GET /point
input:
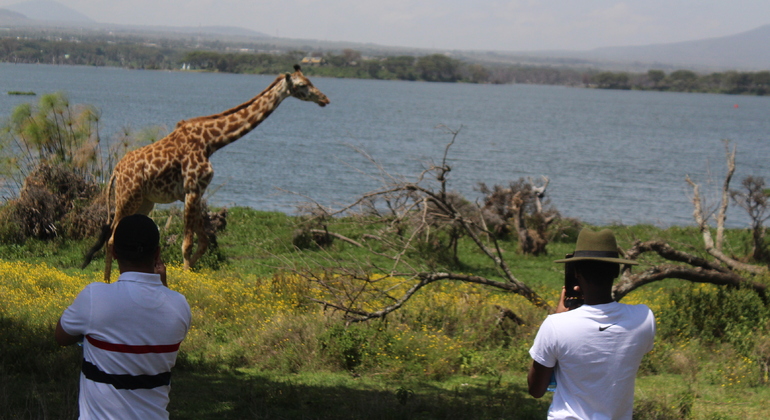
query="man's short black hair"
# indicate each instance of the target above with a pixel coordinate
(136, 238)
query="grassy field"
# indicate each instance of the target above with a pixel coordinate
(260, 349)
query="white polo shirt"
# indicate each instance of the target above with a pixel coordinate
(133, 329)
(596, 350)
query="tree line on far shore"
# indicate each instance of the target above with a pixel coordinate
(730, 82)
(216, 56)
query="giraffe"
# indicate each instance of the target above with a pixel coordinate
(177, 167)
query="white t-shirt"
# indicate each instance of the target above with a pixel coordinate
(133, 329)
(596, 350)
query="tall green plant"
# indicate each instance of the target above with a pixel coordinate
(53, 132)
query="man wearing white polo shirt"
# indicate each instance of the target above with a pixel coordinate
(130, 329)
(593, 351)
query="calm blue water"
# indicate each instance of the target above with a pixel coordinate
(612, 156)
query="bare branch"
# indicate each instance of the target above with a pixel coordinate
(709, 241)
(507, 313)
(410, 215)
(666, 251)
(697, 275)
(338, 236)
(539, 193)
(423, 279)
(722, 215)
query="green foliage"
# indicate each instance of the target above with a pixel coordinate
(87, 50)
(260, 63)
(172, 235)
(54, 132)
(347, 346)
(54, 201)
(35, 374)
(400, 67)
(678, 407)
(610, 80)
(731, 82)
(714, 315)
(438, 68)
(682, 81)
(656, 76)
(446, 347)
(201, 54)
(51, 157)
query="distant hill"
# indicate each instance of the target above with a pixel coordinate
(48, 10)
(9, 17)
(748, 50)
(227, 31)
(47, 13)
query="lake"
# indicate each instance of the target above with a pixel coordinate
(612, 156)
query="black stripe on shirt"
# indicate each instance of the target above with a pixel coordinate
(95, 374)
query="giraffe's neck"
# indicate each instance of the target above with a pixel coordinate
(221, 129)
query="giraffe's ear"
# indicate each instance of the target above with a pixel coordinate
(287, 76)
(297, 67)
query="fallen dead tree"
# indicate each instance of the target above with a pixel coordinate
(723, 270)
(409, 225)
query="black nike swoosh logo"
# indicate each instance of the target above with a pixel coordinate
(604, 328)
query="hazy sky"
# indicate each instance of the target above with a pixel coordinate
(509, 25)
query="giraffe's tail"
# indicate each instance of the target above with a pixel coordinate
(103, 237)
(106, 229)
(107, 199)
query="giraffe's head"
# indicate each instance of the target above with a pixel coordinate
(301, 88)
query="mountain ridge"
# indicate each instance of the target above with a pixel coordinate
(745, 51)
(48, 11)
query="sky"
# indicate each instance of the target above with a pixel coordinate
(499, 25)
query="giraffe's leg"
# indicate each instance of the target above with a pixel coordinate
(145, 208)
(193, 225)
(108, 258)
(203, 240)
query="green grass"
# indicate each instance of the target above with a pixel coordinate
(441, 356)
(254, 394)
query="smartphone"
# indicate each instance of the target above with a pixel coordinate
(573, 299)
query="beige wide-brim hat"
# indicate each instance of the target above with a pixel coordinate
(597, 246)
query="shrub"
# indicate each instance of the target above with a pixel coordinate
(51, 204)
(677, 407)
(346, 346)
(714, 315)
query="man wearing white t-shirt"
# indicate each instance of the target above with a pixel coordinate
(594, 351)
(131, 331)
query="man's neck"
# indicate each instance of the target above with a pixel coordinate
(597, 296)
(124, 268)
(597, 301)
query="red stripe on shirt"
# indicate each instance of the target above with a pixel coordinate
(126, 348)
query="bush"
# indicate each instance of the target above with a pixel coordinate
(346, 346)
(714, 315)
(679, 407)
(172, 235)
(54, 201)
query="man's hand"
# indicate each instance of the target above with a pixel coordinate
(561, 307)
(538, 379)
(63, 338)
